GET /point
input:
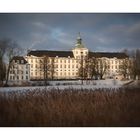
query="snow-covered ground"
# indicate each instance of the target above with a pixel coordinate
(95, 84)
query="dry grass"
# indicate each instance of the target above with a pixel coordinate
(71, 107)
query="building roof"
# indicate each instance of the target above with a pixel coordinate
(118, 55)
(40, 53)
(19, 58)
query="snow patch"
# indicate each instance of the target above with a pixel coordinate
(91, 84)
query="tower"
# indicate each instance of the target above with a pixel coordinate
(80, 49)
(79, 42)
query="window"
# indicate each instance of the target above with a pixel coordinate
(26, 66)
(10, 77)
(56, 60)
(17, 77)
(56, 66)
(26, 77)
(31, 60)
(26, 72)
(72, 66)
(64, 66)
(22, 61)
(22, 77)
(68, 66)
(68, 61)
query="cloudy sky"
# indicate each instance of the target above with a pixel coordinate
(100, 32)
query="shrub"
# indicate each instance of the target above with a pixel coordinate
(71, 107)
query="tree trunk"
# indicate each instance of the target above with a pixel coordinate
(101, 76)
(7, 75)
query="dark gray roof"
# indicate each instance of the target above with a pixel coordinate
(18, 59)
(40, 53)
(118, 55)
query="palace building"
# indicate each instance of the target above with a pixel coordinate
(20, 70)
(66, 64)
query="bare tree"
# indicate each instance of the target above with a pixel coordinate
(133, 68)
(3, 46)
(92, 67)
(124, 68)
(2, 72)
(138, 62)
(83, 70)
(101, 67)
(8, 49)
(52, 68)
(46, 68)
(12, 50)
(135, 64)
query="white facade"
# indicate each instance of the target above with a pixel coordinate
(67, 66)
(19, 70)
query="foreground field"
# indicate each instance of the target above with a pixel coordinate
(71, 107)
